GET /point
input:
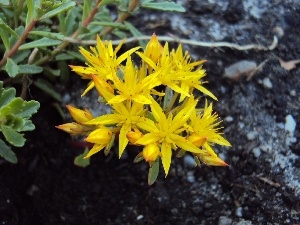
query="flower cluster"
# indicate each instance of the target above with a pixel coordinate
(158, 122)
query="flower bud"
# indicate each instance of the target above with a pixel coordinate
(133, 136)
(79, 115)
(150, 152)
(153, 49)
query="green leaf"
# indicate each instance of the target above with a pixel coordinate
(24, 109)
(30, 69)
(7, 153)
(43, 42)
(30, 11)
(47, 88)
(63, 7)
(54, 36)
(110, 24)
(12, 68)
(80, 161)
(14, 138)
(106, 2)
(28, 126)
(153, 172)
(167, 98)
(6, 96)
(4, 2)
(20, 108)
(87, 8)
(6, 28)
(136, 33)
(138, 158)
(21, 56)
(5, 39)
(164, 6)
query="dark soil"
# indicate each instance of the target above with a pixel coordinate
(261, 186)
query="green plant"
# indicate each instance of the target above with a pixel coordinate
(15, 114)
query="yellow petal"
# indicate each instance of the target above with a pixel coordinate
(117, 99)
(96, 148)
(106, 119)
(123, 141)
(148, 139)
(125, 55)
(166, 156)
(184, 143)
(100, 136)
(79, 115)
(147, 125)
(142, 99)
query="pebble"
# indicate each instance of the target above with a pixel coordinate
(190, 177)
(293, 93)
(265, 147)
(290, 124)
(243, 222)
(239, 69)
(239, 212)
(252, 135)
(267, 83)
(188, 161)
(223, 220)
(139, 217)
(256, 152)
(228, 119)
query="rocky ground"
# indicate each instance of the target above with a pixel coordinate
(258, 92)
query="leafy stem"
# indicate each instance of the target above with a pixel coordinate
(65, 44)
(122, 17)
(16, 46)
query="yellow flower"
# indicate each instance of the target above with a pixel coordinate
(101, 61)
(166, 132)
(124, 117)
(134, 87)
(151, 152)
(153, 49)
(101, 138)
(80, 116)
(205, 133)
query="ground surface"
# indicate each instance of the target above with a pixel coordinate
(261, 186)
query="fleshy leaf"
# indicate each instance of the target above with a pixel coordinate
(12, 68)
(7, 153)
(13, 137)
(153, 172)
(81, 161)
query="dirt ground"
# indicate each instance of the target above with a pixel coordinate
(261, 120)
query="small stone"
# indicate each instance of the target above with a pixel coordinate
(223, 220)
(290, 124)
(256, 152)
(239, 212)
(293, 93)
(188, 161)
(267, 83)
(239, 69)
(228, 119)
(243, 222)
(252, 135)
(190, 177)
(265, 147)
(139, 217)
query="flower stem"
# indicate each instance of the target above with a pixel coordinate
(16, 46)
(65, 44)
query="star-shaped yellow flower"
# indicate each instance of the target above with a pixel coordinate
(101, 61)
(166, 132)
